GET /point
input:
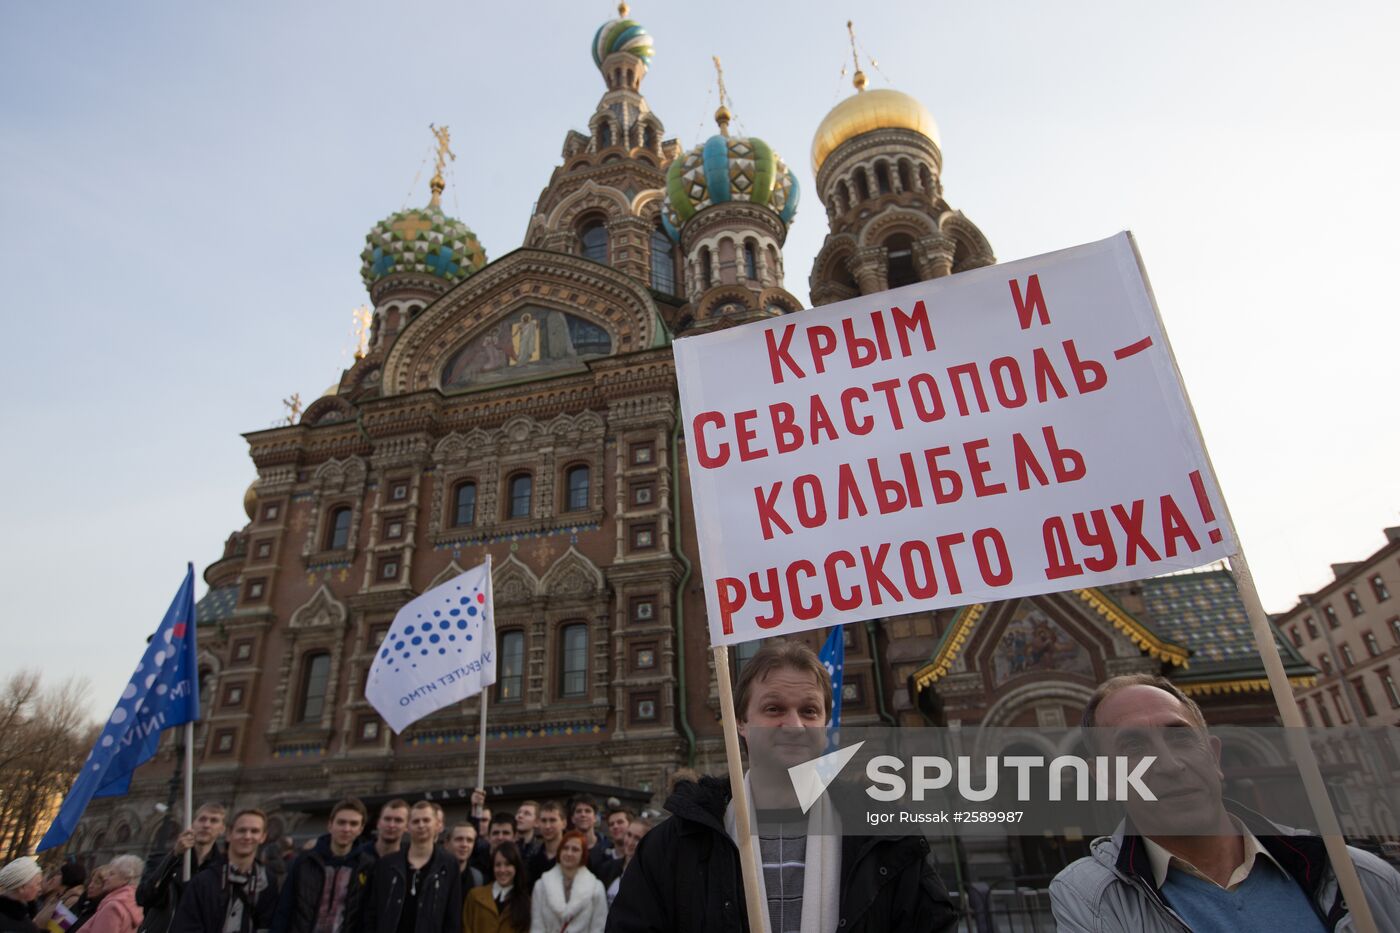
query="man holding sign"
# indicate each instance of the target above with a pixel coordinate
(685, 874)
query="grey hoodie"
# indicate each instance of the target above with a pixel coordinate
(1112, 889)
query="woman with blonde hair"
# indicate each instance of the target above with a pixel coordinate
(568, 896)
(118, 912)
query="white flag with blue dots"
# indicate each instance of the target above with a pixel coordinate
(440, 650)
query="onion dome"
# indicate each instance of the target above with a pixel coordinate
(622, 35)
(865, 111)
(727, 168)
(424, 240)
(250, 500)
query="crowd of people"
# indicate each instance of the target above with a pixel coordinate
(1202, 863)
(544, 867)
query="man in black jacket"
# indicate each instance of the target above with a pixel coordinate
(159, 892)
(323, 887)
(237, 896)
(685, 876)
(419, 890)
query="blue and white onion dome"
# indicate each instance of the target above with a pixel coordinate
(727, 168)
(423, 240)
(622, 35)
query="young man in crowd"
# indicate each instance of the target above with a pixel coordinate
(324, 887)
(236, 896)
(389, 829)
(502, 830)
(619, 818)
(525, 816)
(685, 873)
(418, 890)
(163, 882)
(462, 842)
(583, 816)
(1187, 860)
(549, 829)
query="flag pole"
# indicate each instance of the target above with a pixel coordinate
(748, 866)
(1294, 735)
(189, 792)
(485, 690)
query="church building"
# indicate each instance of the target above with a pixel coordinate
(526, 407)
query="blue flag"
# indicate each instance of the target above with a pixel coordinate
(833, 658)
(163, 692)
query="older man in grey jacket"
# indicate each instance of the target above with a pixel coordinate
(1194, 862)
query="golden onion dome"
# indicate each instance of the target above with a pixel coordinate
(250, 500)
(864, 111)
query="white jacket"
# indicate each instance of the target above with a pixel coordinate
(586, 910)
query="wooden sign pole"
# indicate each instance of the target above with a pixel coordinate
(748, 865)
(1303, 756)
(1347, 879)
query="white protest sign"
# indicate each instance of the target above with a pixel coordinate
(1012, 430)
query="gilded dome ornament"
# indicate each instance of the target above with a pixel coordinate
(866, 111)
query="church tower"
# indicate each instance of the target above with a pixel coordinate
(877, 161)
(604, 201)
(728, 203)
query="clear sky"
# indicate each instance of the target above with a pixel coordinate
(185, 189)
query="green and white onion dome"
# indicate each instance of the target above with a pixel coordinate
(622, 35)
(727, 168)
(423, 240)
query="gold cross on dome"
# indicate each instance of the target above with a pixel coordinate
(293, 407)
(411, 226)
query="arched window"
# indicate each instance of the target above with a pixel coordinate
(573, 660)
(862, 186)
(882, 178)
(123, 835)
(338, 529)
(926, 180)
(750, 262)
(906, 181)
(316, 673)
(510, 682)
(604, 135)
(206, 688)
(464, 504)
(901, 261)
(594, 238)
(663, 266)
(521, 486)
(576, 484)
(648, 136)
(705, 277)
(843, 197)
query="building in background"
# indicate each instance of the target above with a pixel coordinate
(1350, 631)
(526, 408)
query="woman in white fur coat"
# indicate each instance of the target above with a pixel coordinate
(568, 898)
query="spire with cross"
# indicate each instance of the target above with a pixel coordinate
(444, 152)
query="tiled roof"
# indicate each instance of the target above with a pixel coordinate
(217, 604)
(1204, 612)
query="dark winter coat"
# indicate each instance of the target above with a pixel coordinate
(205, 903)
(439, 895)
(14, 917)
(685, 877)
(163, 882)
(306, 882)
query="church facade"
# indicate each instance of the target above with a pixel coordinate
(526, 408)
